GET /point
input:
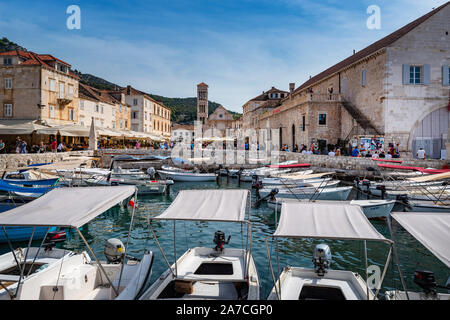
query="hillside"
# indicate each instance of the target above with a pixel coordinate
(184, 110)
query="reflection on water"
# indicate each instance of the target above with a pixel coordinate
(347, 255)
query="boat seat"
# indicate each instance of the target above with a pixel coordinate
(98, 294)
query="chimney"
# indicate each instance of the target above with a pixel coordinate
(354, 51)
(291, 89)
(128, 90)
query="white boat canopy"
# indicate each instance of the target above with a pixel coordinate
(432, 229)
(207, 205)
(325, 221)
(66, 207)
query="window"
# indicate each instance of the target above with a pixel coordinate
(82, 123)
(61, 90)
(97, 108)
(52, 111)
(7, 61)
(8, 110)
(71, 114)
(113, 112)
(120, 109)
(220, 115)
(322, 119)
(8, 83)
(415, 74)
(113, 125)
(121, 123)
(70, 91)
(304, 123)
(82, 105)
(135, 115)
(274, 95)
(52, 85)
(103, 123)
(101, 110)
(135, 102)
(364, 78)
(145, 115)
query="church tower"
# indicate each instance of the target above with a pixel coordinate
(202, 102)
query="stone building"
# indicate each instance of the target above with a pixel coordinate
(37, 87)
(183, 133)
(147, 114)
(259, 105)
(108, 108)
(397, 88)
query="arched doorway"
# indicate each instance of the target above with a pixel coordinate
(431, 133)
(293, 136)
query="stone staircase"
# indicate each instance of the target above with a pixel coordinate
(361, 119)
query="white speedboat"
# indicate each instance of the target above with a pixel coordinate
(339, 194)
(187, 176)
(76, 276)
(432, 229)
(373, 209)
(321, 221)
(146, 187)
(208, 273)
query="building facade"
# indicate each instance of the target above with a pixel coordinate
(202, 103)
(147, 114)
(182, 133)
(396, 89)
(37, 87)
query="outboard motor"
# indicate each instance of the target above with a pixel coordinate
(322, 259)
(219, 240)
(256, 183)
(114, 251)
(151, 172)
(52, 238)
(404, 201)
(366, 187)
(383, 191)
(425, 280)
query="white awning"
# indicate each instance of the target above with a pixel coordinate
(66, 207)
(432, 229)
(325, 221)
(207, 205)
(18, 127)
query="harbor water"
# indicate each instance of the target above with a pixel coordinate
(347, 255)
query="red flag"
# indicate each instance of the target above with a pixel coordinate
(132, 203)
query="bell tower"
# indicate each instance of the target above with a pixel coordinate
(202, 102)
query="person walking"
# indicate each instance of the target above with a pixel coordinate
(54, 145)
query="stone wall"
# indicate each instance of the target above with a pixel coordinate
(14, 161)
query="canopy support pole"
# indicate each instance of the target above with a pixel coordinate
(366, 266)
(276, 245)
(175, 247)
(271, 269)
(11, 248)
(384, 271)
(389, 223)
(37, 253)
(160, 249)
(128, 238)
(98, 262)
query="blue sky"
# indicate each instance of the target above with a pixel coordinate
(239, 48)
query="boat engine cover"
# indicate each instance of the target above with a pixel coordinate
(322, 259)
(114, 250)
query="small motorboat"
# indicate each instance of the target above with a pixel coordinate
(208, 273)
(76, 276)
(338, 194)
(187, 176)
(432, 229)
(300, 220)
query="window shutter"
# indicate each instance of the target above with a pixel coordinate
(406, 68)
(364, 76)
(344, 85)
(426, 74)
(445, 76)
